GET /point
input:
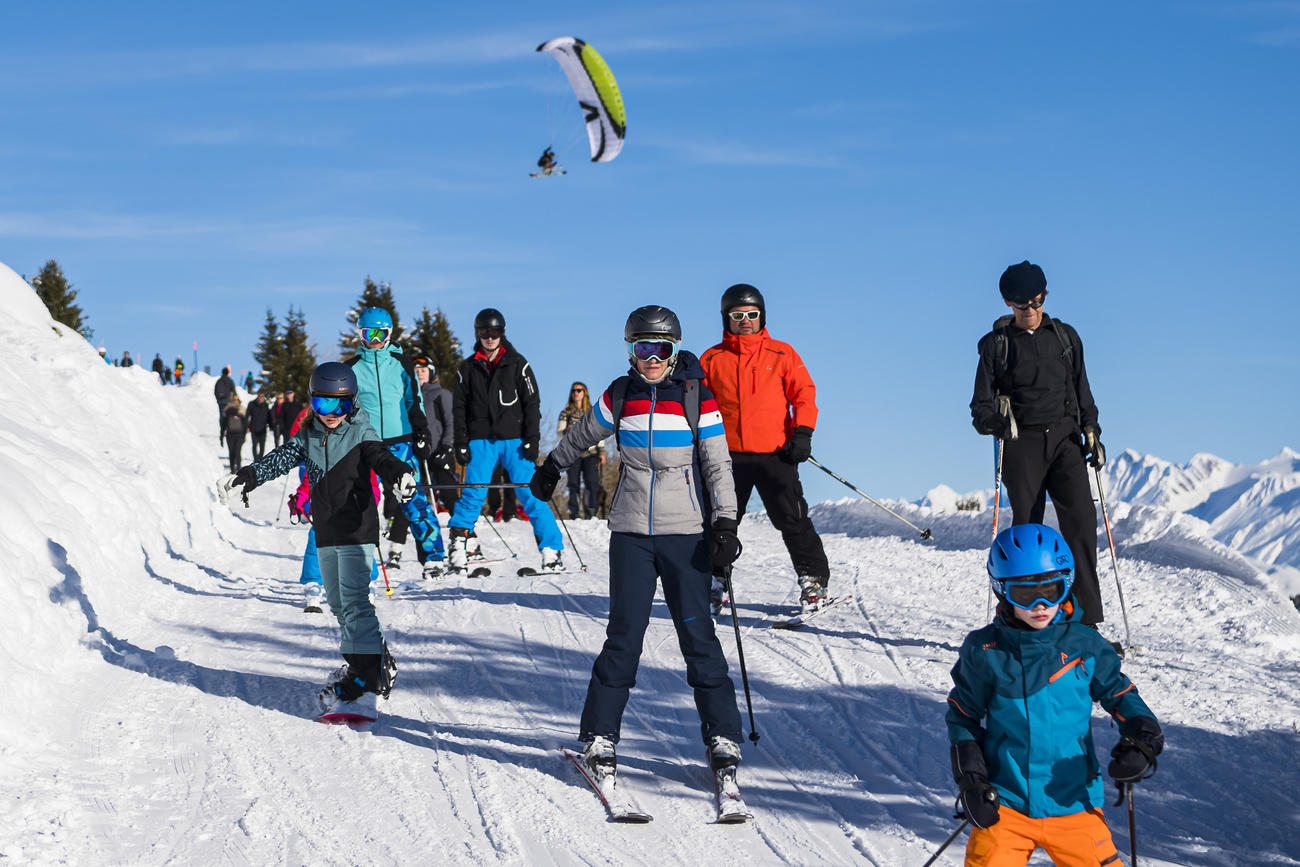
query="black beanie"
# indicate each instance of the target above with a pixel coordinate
(1022, 283)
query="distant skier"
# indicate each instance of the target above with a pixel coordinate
(158, 366)
(497, 416)
(658, 530)
(346, 524)
(389, 391)
(768, 403)
(1037, 363)
(1020, 714)
(178, 371)
(223, 390)
(259, 418)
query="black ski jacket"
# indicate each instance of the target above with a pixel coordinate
(224, 390)
(1047, 387)
(498, 403)
(259, 413)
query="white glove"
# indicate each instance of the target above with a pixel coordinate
(405, 487)
(226, 486)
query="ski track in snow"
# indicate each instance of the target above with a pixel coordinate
(175, 725)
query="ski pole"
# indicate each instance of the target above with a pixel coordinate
(925, 534)
(1110, 540)
(565, 525)
(1132, 828)
(740, 654)
(947, 843)
(388, 591)
(493, 528)
(461, 485)
(998, 446)
(283, 496)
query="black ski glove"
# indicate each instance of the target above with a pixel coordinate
(442, 459)
(529, 450)
(978, 800)
(1134, 757)
(799, 447)
(545, 478)
(1092, 447)
(421, 448)
(724, 546)
(462, 454)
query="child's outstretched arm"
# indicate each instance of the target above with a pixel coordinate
(274, 464)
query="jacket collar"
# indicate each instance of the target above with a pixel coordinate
(744, 342)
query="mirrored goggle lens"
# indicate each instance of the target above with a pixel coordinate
(489, 333)
(372, 334)
(652, 350)
(741, 315)
(1027, 594)
(331, 405)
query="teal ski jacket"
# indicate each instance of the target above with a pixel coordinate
(1026, 695)
(390, 393)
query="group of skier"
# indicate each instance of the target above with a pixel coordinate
(696, 437)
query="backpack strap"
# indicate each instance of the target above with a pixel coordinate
(1001, 343)
(617, 395)
(690, 404)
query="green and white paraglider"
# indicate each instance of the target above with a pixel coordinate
(598, 96)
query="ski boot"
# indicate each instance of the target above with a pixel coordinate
(718, 596)
(395, 559)
(457, 555)
(434, 570)
(552, 560)
(812, 594)
(600, 758)
(473, 551)
(314, 602)
(723, 753)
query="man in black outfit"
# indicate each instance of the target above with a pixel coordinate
(1032, 393)
(223, 391)
(259, 418)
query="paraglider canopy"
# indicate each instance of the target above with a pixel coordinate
(597, 91)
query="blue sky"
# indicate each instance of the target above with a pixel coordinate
(871, 166)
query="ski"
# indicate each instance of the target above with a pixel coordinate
(530, 572)
(621, 808)
(800, 619)
(732, 809)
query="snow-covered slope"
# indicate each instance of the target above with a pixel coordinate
(161, 674)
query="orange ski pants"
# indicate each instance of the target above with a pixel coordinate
(1080, 840)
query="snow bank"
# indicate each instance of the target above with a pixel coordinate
(99, 475)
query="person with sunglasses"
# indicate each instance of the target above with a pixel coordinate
(587, 467)
(769, 407)
(1032, 365)
(389, 391)
(341, 449)
(1019, 714)
(496, 412)
(673, 517)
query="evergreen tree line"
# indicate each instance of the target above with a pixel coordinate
(60, 299)
(287, 360)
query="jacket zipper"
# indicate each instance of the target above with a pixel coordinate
(379, 389)
(690, 490)
(650, 456)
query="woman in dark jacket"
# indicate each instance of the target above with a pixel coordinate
(236, 427)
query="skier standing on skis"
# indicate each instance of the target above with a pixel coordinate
(497, 419)
(769, 408)
(438, 410)
(340, 449)
(389, 392)
(659, 529)
(1037, 362)
(1020, 714)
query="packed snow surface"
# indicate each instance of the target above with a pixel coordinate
(161, 672)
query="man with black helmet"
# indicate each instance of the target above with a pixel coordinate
(768, 403)
(1032, 394)
(496, 412)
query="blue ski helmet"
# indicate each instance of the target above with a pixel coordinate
(1025, 561)
(375, 317)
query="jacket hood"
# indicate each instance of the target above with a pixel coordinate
(1022, 633)
(737, 342)
(368, 354)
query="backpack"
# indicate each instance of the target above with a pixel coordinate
(690, 404)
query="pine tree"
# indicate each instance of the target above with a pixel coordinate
(372, 295)
(270, 347)
(431, 335)
(58, 295)
(299, 358)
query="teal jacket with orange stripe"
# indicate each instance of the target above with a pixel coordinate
(1025, 696)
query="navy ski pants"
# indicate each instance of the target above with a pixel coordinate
(635, 564)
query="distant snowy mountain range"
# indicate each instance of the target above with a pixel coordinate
(1252, 509)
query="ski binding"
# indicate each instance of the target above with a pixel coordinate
(621, 808)
(800, 619)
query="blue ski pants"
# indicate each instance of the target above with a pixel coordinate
(484, 455)
(635, 562)
(422, 519)
(346, 570)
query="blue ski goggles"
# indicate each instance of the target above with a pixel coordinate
(331, 405)
(370, 335)
(652, 350)
(1049, 588)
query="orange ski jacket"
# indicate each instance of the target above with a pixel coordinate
(762, 388)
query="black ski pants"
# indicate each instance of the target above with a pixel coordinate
(235, 446)
(635, 564)
(585, 469)
(777, 480)
(258, 438)
(1049, 462)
